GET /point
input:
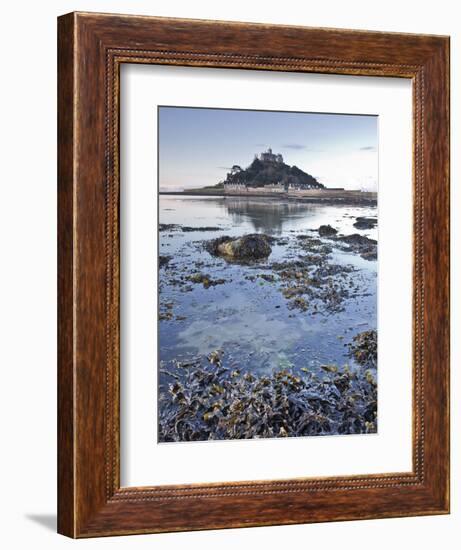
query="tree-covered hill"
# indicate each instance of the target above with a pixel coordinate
(261, 172)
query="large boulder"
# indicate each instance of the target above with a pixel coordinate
(365, 223)
(255, 246)
(327, 231)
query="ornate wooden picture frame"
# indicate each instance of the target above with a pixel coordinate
(92, 47)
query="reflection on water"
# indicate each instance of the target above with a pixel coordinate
(270, 216)
(266, 215)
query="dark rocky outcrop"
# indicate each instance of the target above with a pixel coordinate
(255, 246)
(163, 260)
(357, 240)
(327, 231)
(365, 223)
(168, 227)
(188, 229)
(367, 248)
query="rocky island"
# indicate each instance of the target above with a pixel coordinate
(269, 176)
(269, 172)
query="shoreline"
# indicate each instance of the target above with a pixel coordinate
(333, 197)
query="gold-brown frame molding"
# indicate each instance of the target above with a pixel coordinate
(91, 49)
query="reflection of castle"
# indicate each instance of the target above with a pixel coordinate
(263, 215)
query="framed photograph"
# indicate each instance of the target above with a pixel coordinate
(253, 275)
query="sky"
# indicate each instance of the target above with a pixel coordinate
(197, 147)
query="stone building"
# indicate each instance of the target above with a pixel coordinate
(269, 156)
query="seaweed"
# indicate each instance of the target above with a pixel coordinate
(314, 283)
(205, 400)
(205, 279)
(364, 348)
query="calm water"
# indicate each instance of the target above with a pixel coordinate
(250, 319)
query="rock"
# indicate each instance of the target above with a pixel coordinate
(267, 277)
(205, 279)
(327, 231)
(167, 227)
(357, 240)
(367, 248)
(370, 254)
(165, 315)
(163, 260)
(188, 229)
(268, 168)
(248, 247)
(198, 278)
(365, 223)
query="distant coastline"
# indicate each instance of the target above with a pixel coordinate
(268, 176)
(331, 196)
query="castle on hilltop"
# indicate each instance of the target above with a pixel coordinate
(268, 172)
(269, 156)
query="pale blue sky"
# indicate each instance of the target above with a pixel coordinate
(197, 147)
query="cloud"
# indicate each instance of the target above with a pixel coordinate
(301, 147)
(296, 146)
(368, 148)
(223, 167)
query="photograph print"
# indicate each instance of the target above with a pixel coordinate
(267, 274)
